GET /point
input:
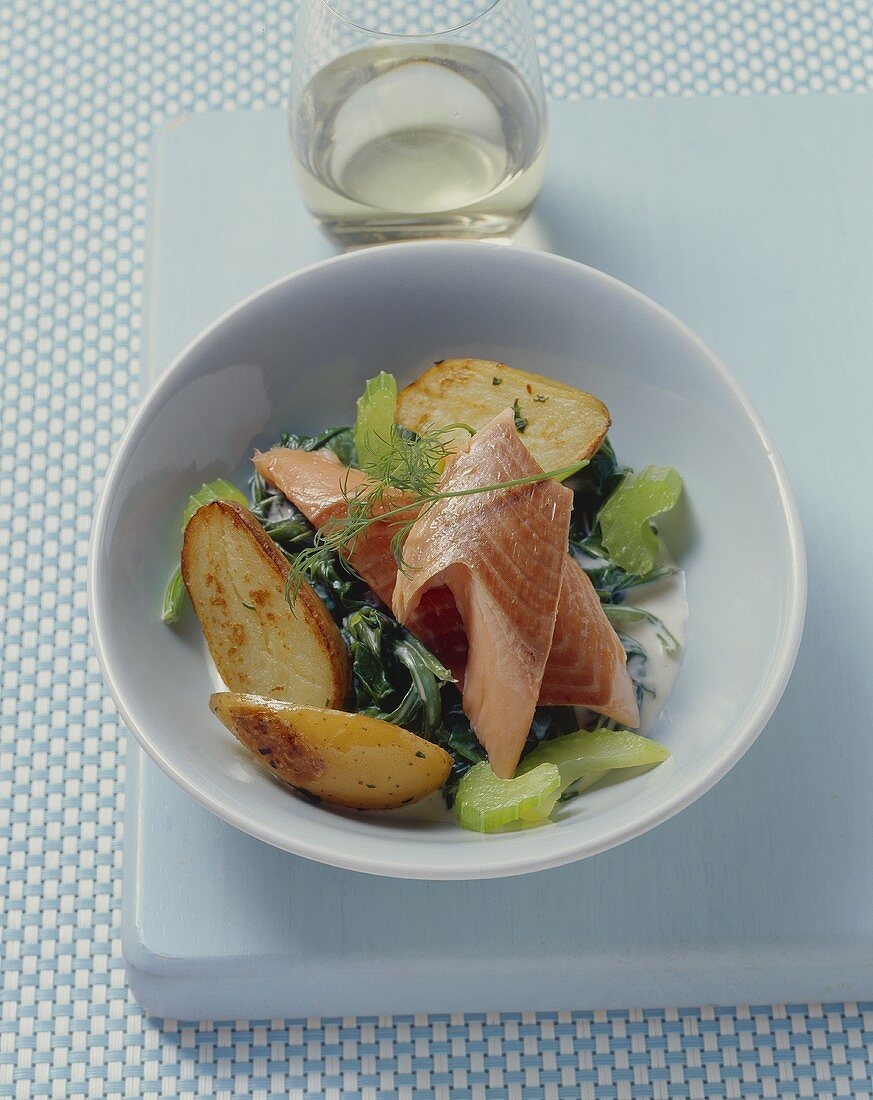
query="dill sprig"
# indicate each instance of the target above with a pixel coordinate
(408, 462)
(402, 486)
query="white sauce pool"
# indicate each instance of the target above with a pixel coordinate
(667, 600)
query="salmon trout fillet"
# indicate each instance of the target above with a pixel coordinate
(501, 555)
(586, 665)
(320, 486)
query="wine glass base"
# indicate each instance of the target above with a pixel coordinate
(348, 234)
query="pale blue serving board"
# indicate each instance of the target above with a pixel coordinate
(752, 219)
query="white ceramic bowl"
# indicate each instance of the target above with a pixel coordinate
(294, 357)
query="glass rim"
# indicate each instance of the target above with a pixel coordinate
(374, 33)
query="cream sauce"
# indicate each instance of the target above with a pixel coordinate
(666, 599)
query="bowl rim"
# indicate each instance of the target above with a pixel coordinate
(496, 863)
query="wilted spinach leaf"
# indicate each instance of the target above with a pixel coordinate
(591, 487)
(339, 440)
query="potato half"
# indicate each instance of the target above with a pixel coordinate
(236, 575)
(347, 759)
(564, 425)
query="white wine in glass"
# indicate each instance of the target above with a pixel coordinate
(410, 135)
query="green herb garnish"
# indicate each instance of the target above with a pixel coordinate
(402, 487)
(521, 423)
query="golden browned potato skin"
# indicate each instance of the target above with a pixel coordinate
(236, 577)
(564, 425)
(346, 759)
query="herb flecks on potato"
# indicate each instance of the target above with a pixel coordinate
(349, 760)
(559, 424)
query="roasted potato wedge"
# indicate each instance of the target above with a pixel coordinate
(346, 759)
(236, 575)
(564, 425)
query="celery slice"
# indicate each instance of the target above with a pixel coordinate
(624, 519)
(576, 754)
(208, 494)
(375, 420)
(486, 804)
(174, 593)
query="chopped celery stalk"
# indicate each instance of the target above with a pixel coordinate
(375, 420)
(486, 803)
(624, 519)
(208, 494)
(576, 754)
(174, 593)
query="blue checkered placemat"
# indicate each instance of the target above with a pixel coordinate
(82, 85)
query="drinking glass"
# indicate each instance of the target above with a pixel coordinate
(411, 120)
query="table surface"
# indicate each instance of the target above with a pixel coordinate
(84, 87)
